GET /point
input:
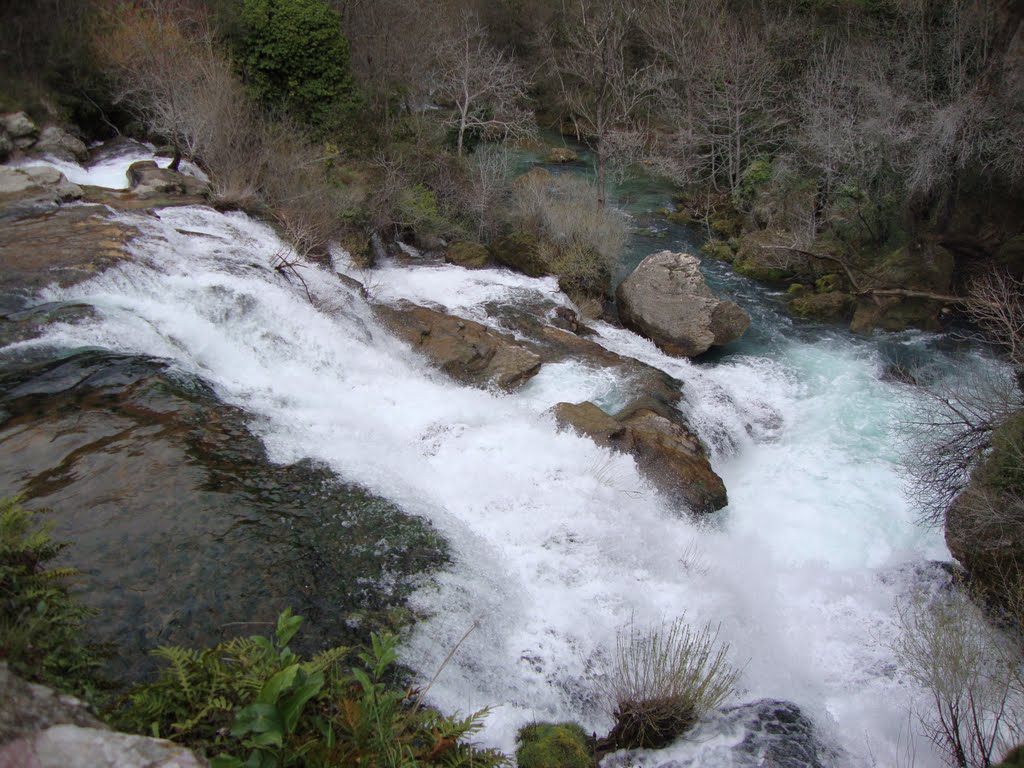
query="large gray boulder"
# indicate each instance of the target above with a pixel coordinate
(20, 128)
(40, 728)
(33, 190)
(56, 142)
(667, 300)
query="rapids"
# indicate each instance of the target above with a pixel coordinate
(557, 543)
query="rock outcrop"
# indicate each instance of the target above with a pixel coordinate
(467, 351)
(148, 180)
(40, 728)
(58, 143)
(667, 300)
(31, 191)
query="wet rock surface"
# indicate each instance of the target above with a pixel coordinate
(185, 533)
(65, 246)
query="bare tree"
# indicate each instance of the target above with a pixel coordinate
(159, 62)
(486, 85)
(605, 90)
(966, 669)
(388, 57)
(827, 112)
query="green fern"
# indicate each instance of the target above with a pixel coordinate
(41, 624)
(255, 697)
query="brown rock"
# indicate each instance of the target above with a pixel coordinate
(148, 180)
(658, 438)
(67, 246)
(465, 350)
(589, 420)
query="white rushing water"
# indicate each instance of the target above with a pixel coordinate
(558, 543)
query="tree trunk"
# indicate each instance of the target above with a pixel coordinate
(176, 161)
(601, 162)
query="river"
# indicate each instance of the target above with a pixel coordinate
(557, 543)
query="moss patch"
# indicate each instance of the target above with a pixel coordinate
(825, 307)
(553, 745)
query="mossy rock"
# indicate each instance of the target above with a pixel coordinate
(915, 266)
(467, 254)
(797, 290)
(757, 271)
(896, 314)
(522, 253)
(561, 155)
(824, 307)
(553, 745)
(717, 249)
(728, 224)
(682, 217)
(828, 284)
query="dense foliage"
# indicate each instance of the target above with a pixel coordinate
(253, 702)
(295, 57)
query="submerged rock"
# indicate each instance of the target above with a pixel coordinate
(763, 733)
(667, 300)
(183, 530)
(468, 352)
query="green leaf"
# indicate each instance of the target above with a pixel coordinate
(226, 761)
(278, 684)
(261, 719)
(306, 687)
(287, 626)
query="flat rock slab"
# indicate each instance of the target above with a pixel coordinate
(30, 191)
(64, 246)
(467, 351)
(183, 531)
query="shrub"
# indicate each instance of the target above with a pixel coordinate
(551, 745)
(580, 242)
(40, 622)
(966, 668)
(663, 679)
(296, 59)
(254, 696)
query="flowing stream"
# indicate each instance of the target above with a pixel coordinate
(556, 542)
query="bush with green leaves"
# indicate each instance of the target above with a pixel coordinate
(41, 623)
(253, 702)
(295, 57)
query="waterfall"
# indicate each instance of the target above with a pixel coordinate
(557, 542)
